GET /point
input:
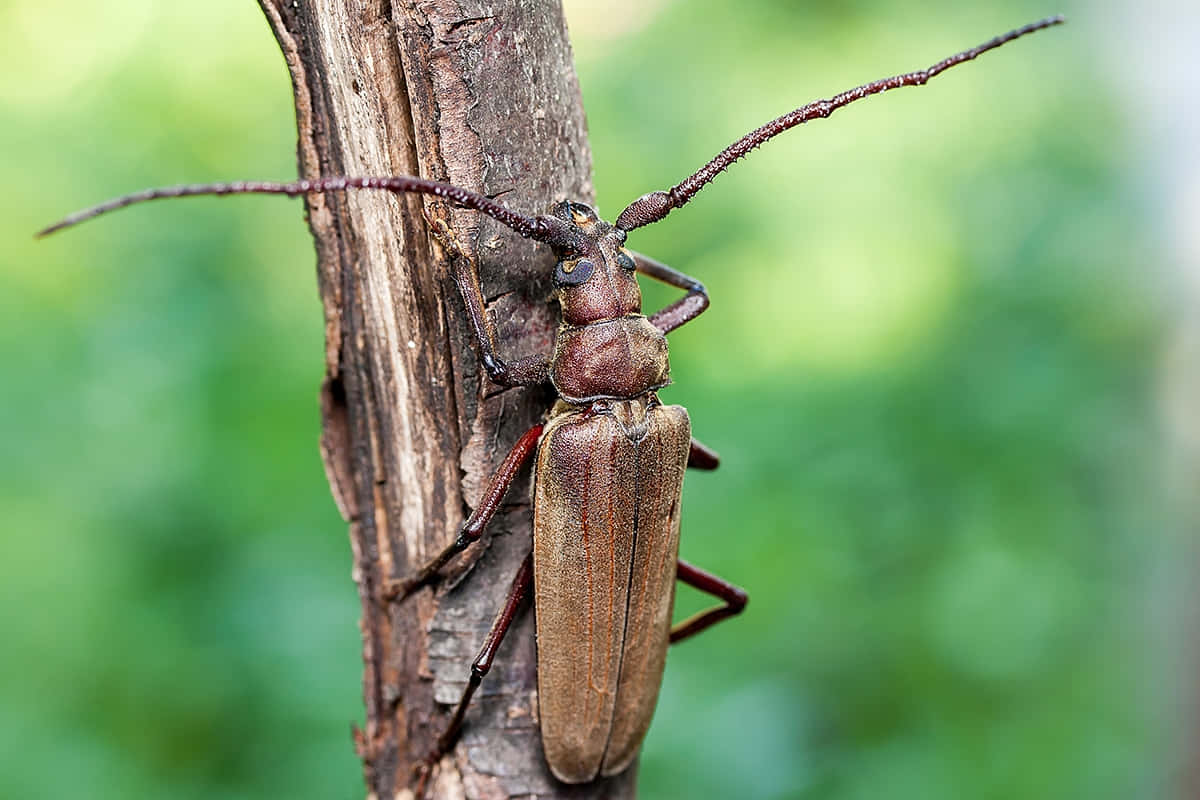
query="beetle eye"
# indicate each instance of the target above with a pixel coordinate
(625, 261)
(572, 272)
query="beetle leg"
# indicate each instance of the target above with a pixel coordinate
(473, 528)
(683, 310)
(479, 667)
(521, 372)
(701, 456)
(734, 596)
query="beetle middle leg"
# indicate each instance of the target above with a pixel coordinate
(681, 311)
(734, 596)
(517, 593)
(473, 528)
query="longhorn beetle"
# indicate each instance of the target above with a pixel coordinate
(609, 461)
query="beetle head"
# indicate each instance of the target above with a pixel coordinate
(594, 273)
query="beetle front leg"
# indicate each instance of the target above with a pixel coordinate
(734, 596)
(681, 311)
(473, 528)
(528, 371)
(517, 593)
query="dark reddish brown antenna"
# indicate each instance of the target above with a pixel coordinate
(654, 206)
(538, 228)
(646, 209)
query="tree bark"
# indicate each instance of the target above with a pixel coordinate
(483, 96)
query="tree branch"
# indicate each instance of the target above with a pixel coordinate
(486, 98)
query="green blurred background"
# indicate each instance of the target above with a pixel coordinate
(939, 368)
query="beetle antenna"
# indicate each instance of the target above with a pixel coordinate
(538, 228)
(654, 206)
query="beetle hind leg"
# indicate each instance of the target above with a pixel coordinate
(522, 582)
(734, 596)
(701, 456)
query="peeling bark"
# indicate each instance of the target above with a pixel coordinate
(484, 97)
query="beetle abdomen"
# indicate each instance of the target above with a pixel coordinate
(605, 543)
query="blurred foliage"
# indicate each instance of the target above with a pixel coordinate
(928, 368)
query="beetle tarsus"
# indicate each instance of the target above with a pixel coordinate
(397, 591)
(735, 598)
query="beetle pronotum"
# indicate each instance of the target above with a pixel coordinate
(609, 459)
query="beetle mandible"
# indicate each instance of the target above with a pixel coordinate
(609, 460)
